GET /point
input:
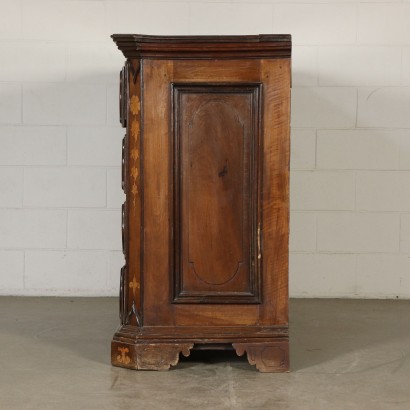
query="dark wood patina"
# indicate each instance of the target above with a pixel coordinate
(205, 224)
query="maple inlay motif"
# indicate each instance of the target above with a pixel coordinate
(123, 357)
(134, 284)
(135, 130)
(134, 172)
(135, 105)
(135, 154)
(134, 190)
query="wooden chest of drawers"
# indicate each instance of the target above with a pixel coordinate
(205, 223)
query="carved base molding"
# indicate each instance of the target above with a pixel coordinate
(160, 356)
(268, 357)
(153, 348)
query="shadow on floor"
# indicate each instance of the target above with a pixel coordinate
(321, 330)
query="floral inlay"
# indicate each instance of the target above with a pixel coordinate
(134, 172)
(134, 190)
(135, 108)
(123, 357)
(135, 154)
(135, 105)
(135, 130)
(134, 284)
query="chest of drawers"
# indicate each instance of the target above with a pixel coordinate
(205, 223)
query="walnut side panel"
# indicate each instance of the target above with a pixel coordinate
(132, 210)
(157, 193)
(275, 75)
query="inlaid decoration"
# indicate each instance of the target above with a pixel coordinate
(135, 130)
(134, 70)
(135, 154)
(133, 312)
(134, 172)
(134, 191)
(134, 284)
(135, 105)
(123, 357)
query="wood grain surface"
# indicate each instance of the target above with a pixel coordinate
(206, 217)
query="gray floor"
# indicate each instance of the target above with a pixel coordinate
(345, 354)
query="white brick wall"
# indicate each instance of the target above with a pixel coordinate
(60, 139)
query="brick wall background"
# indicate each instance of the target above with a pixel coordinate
(60, 138)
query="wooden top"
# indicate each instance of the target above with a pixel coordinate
(204, 47)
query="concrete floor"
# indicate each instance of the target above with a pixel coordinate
(345, 354)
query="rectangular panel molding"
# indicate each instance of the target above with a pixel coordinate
(216, 192)
(205, 223)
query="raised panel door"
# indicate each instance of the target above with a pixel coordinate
(216, 196)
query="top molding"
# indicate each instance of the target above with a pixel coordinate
(204, 47)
